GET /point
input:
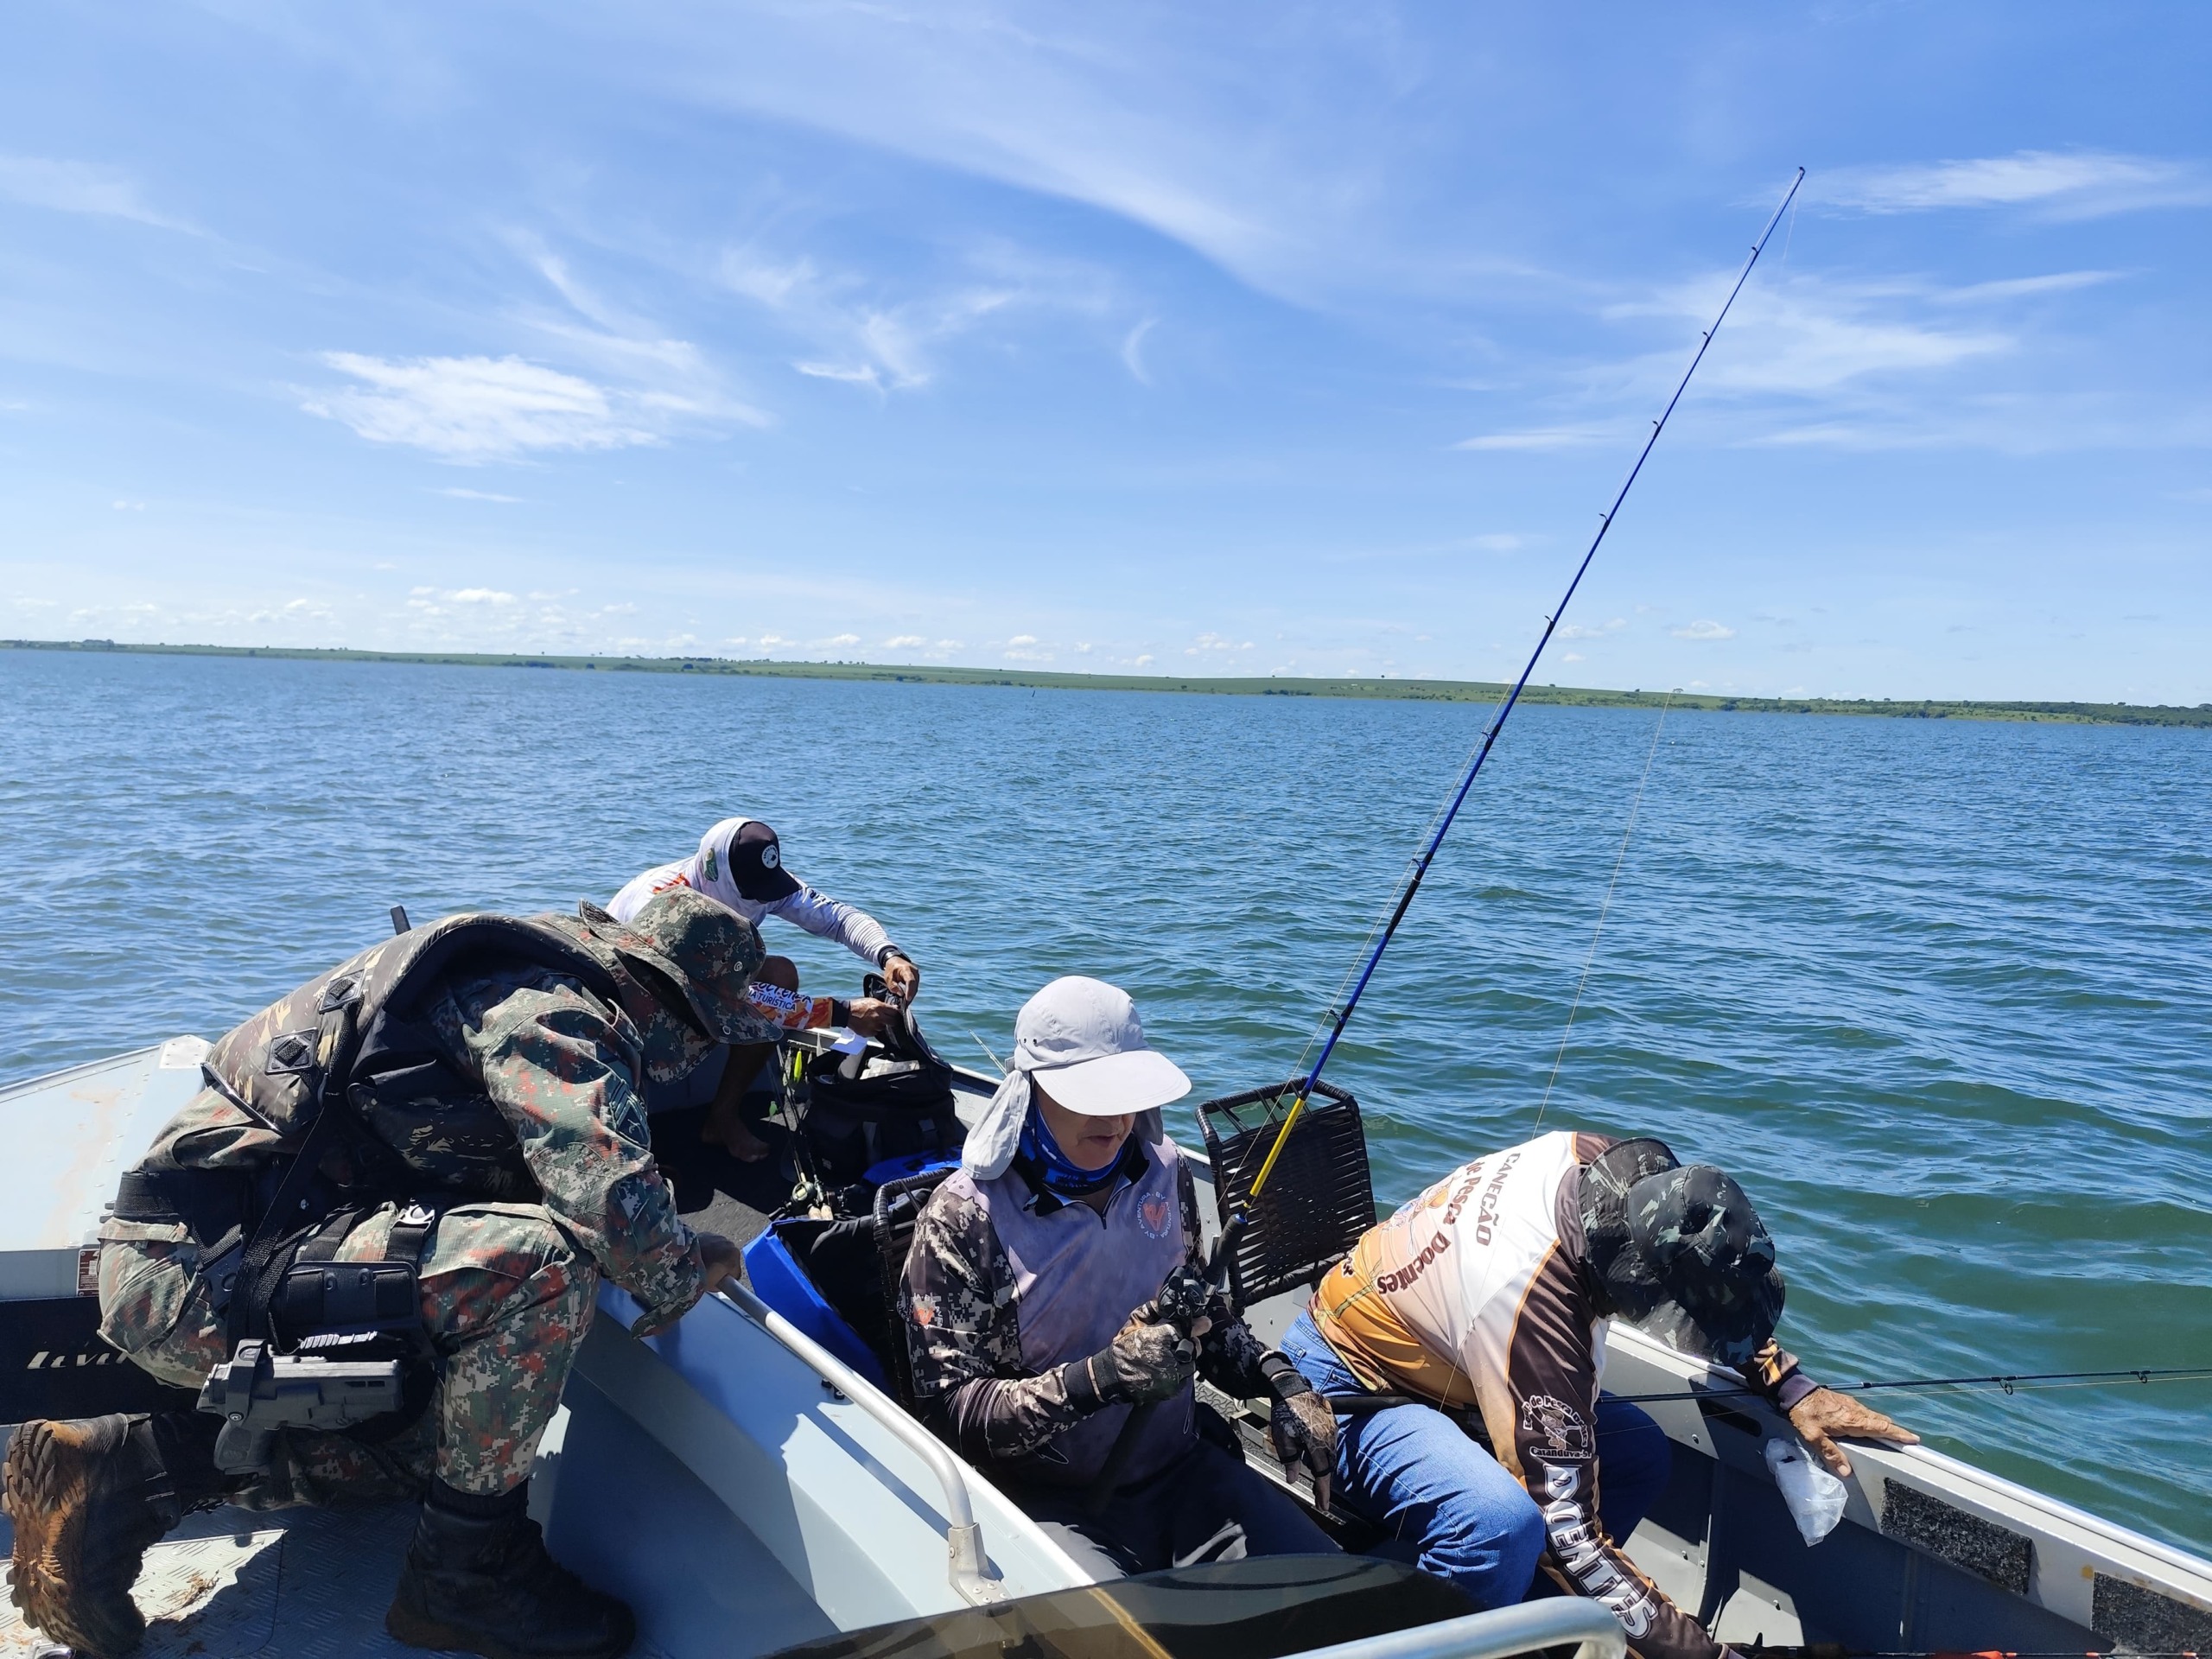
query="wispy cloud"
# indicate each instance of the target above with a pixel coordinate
(1811, 335)
(460, 494)
(2071, 184)
(1133, 351)
(474, 409)
(1704, 630)
(1539, 437)
(79, 187)
(858, 335)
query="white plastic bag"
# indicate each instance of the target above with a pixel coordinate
(1816, 1497)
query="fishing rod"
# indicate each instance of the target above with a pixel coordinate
(1341, 1016)
(2013, 1382)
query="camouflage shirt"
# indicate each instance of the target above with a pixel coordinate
(970, 1377)
(561, 1067)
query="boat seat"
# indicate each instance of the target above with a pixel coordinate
(838, 1280)
(1317, 1204)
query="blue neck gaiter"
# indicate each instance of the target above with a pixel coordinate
(1063, 1178)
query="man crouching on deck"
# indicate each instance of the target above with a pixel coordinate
(1488, 1294)
(1033, 1308)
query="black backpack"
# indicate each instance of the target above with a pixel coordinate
(898, 1101)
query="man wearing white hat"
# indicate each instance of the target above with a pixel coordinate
(1032, 1304)
(740, 862)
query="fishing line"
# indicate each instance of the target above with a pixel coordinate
(2012, 1383)
(1575, 1007)
(1340, 1016)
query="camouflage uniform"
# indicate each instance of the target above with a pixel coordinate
(507, 1287)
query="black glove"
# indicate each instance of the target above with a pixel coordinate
(1150, 1358)
(1303, 1429)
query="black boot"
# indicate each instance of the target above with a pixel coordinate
(482, 1583)
(88, 1497)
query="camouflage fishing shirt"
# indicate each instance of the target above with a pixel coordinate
(561, 1068)
(964, 1334)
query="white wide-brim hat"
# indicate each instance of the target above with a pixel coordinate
(1081, 1040)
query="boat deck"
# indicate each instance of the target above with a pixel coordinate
(227, 1582)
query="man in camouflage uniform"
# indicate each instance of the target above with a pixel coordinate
(533, 1186)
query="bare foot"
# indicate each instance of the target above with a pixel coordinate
(736, 1139)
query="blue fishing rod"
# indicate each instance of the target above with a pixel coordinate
(1187, 1294)
(1341, 1016)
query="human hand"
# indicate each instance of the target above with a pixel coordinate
(903, 977)
(722, 1260)
(1304, 1430)
(1149, 1358)
(871, 1016)
(1824, 1413)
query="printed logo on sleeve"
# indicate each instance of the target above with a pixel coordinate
(1561, 1434)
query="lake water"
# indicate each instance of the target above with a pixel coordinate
(1935, 992)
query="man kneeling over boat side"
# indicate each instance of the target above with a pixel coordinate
(462, 1105)
(1488, 1294)
(1033, 1304)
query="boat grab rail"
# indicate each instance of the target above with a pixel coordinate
(967, 1566)
(1497, 1634)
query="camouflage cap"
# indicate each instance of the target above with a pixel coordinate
(1681, 1252)
(708, 949)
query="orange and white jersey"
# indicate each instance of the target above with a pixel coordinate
(1473, 1294)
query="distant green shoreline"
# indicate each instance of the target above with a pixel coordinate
(2088, 714)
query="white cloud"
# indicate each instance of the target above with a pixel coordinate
(474, 409)
(860, 336)
(905, 641)
(1133, 351)
(459, 494)
(842, 639)
(1144, 661)
(2071, 184)
(1809, 335)
(1593, 631)
(480, 596)
(78, 187)
(1541, 437)
(1023, 639)
(1704, 630)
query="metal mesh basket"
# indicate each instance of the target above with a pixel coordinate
(1316, 1204)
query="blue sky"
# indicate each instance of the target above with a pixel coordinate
(1240, 339)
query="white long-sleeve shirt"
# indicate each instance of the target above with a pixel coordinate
(819, 914)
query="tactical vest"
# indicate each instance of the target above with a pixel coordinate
(357, 1040)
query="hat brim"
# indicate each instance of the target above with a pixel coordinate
(765, 886)
(1135, 1080)
(1730, 1335)
(723, 1010)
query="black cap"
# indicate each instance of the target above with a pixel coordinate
(755, 858)
(1681, 1252)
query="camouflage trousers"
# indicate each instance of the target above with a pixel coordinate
(507, 1295)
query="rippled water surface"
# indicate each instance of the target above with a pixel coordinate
(1935, 992)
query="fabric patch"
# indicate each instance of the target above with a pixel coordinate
(1154, 1214)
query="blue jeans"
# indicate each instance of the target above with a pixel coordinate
(1415, 1473)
